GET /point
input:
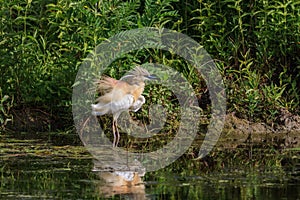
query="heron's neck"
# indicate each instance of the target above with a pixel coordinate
(138, 89)
(138, 82)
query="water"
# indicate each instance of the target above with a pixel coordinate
(46, 167)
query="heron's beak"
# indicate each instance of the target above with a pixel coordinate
(152, 77)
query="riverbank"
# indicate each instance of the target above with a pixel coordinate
(238, 131)
(285, 133)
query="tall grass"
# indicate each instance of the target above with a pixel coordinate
(255, 45)
(44, 42)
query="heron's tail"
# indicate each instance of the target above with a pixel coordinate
(99, 109)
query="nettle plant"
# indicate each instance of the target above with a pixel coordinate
(255, 44)
(44, 43)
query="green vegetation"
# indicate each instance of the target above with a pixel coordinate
(256, 46)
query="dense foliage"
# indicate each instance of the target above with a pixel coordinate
(256, 45)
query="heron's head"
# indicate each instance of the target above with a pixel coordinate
(139, 74)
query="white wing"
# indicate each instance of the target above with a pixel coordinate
(138, 104)
(113, 107)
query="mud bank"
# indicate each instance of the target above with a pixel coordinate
(285, 134)
(236, 131)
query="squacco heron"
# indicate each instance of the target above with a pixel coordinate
(121, 95)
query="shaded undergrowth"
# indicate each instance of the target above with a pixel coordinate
(254, 44)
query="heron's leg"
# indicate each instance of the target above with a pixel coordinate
(118, 134)
(114, 132)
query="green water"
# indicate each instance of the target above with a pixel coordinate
(48, 168)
